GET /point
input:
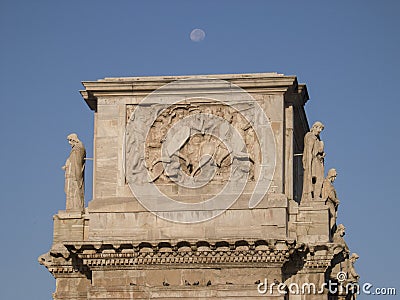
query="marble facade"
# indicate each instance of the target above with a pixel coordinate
(130, 243)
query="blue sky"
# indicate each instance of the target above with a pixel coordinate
(345, 51)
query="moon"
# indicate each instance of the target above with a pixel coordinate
(197, 35)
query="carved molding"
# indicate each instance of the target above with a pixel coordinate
(87, 256)
(60, 265)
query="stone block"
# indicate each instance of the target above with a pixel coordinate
(68, 226)
(107, 111)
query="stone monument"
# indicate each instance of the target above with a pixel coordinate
(204, 187)
(75, 175)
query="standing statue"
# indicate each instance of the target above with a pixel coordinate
(330, 197)
(352, 277)
(339, 240)
(313, 163)
(74, 174)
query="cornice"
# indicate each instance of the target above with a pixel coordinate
(87, 256)
(123, 254)
(140, 86)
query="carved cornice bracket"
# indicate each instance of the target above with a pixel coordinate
(203, 254)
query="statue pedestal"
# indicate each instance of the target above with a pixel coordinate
(68, 226)
(312, 222)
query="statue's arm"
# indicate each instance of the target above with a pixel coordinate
(77, 162)
(184, 157)
(308, 150)
(332, 196)
(353, 272)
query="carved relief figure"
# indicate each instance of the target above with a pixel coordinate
(197, 146)
(330, 197)
(136, 136)
(206, 157)
(74, 174)
(313, 163)
(171, 158)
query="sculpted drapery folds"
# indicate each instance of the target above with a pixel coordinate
(338, 238)
(352, 275)
(313, 163)
(74, 174)
(330, 196)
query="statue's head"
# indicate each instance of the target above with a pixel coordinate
(341, 230)
(354, 257)
(196, 139)
(332, 175)
(73, 139)
(317, 127)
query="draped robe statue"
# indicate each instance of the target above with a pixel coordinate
(352, 275)
(74, 174)
(330, 197)
(313, 163)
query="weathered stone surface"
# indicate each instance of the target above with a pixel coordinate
(199, 198)
(74, 175)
